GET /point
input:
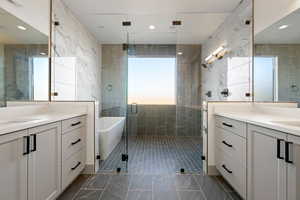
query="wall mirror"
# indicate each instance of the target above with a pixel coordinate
(277, 60)
(24, 63)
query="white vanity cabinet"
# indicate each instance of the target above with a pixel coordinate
(39, 163)
(266, 164)
(231, 152)
(13, 166)
(73, 149)
(293, 167)
(44, 165)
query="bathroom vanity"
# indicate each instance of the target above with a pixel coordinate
(259, 154)
(41, 154)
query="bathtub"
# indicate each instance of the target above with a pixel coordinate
(110, 133)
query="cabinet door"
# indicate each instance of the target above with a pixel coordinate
(45, 162)
(293, 165)
(13, 166)
(266, 167)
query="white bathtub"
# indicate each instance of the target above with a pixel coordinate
(110, 134)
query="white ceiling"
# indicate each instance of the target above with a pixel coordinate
(290, 35)
(10, 34)
(200, 18)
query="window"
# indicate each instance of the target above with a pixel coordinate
(40, 78)
(151, 81)
(265, 78)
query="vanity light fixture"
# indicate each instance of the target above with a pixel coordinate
(218, 51)
(151, 27)
(217, 54)
(283, 27)
(209, 59)
(22, 28)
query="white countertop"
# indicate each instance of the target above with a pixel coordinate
(30, 121)
(265, 120)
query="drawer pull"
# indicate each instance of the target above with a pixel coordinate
(77, 165)
(287, 152)
(279, 149)
(229, 145)
(73, 143)
(229, 171)
(75, 124)
(228, 125)
(26, 145)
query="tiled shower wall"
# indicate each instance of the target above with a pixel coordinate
(188, 92)
(233, 71)
(76, 53)
(114, 80)
(288, 68)
(19, 70)
(2, 80)
(182, 119)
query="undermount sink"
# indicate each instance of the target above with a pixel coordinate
(288, 123)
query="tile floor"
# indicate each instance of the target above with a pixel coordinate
(149, 187)
(157, 155)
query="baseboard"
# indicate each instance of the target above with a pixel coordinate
(212, 170)
(89, 169)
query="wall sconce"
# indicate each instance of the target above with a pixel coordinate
(217, 54)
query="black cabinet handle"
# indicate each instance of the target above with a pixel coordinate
(226, 169)
(279, 149)
(26, 145)
(229, 145)
(287, 152)
(228, 125)
(77, 165)
(73, 143)
(75, 124)
(34, 143)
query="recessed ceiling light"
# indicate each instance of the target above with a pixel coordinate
(151, 27)
(283, 27)
(179, 53)
(22, 28)
(43, 54)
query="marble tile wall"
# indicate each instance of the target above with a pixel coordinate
(288, 57)
(234, 70)
(72, 41)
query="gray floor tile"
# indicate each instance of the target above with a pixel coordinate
(73, 189)
(98, 182)
(88, 195)
(117, 188)
(165, 195)
(141, 182)
(164, 183)
(235, 196)
(186, 182)
(139, 195)
(211, 188)
(191, 195)
(224, 184)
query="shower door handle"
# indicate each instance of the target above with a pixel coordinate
(134, 108)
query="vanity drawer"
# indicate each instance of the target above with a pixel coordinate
(232, 144)
(73, 123)
(232, 171)
(72, 142)
(72, 167)
(234, 126)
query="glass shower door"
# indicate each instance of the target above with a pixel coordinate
(114, 107)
